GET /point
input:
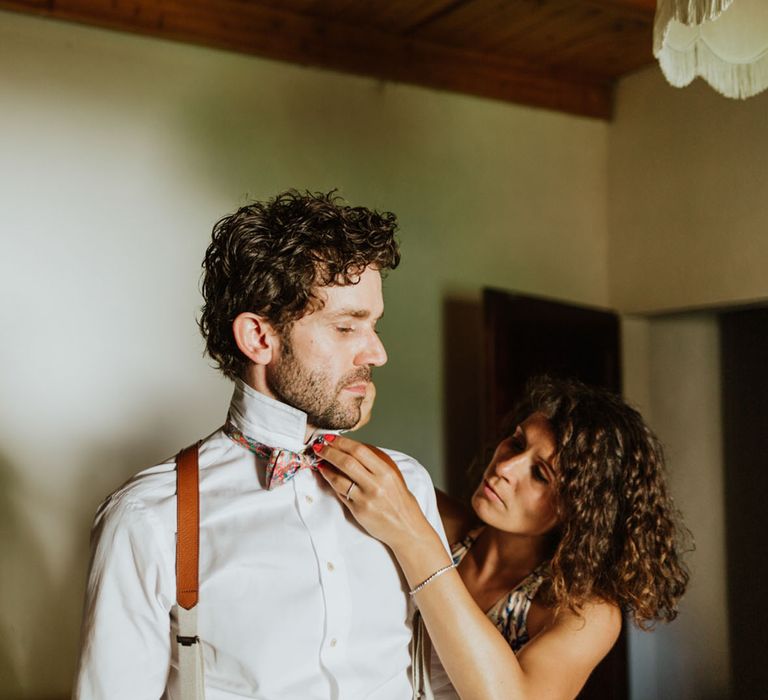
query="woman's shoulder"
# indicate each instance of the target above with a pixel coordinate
(457, 518)
(569, 646)
(596, 617)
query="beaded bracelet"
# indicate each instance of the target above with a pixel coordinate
(431, 578)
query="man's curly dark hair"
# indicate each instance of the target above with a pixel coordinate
(270, 258)
(620, 538)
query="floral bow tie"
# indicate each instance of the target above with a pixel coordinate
(282, 465)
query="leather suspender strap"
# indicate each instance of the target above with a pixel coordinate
(189, 648)
(187, 527)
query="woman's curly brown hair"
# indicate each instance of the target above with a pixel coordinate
(270, 257)
(620, 538)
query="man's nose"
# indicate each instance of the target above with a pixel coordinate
(374, 353)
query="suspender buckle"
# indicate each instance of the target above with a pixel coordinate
(187, 641)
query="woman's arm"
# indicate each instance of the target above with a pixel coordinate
(478, 660)
(576, 644)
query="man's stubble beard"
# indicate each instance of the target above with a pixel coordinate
(311, 391)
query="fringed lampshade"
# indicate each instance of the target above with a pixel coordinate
(723, 41)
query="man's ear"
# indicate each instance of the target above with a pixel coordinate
(256, 337)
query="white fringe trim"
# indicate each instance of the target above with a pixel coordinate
(734, 80)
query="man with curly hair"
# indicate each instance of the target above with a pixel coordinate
(296, 602)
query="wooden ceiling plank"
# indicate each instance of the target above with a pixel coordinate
(461, 22)
(551, 31)
(299, 6)
(638, 9)
(586, 38)
(561, 30)
(264, 31)
(477, 23)
(394, 16)
(435, 16)
(610, 56)
(542, 34)
(345, 10)
(412, 13)
(605, 45)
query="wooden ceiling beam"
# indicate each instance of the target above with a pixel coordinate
(251, 28)
(642, 9)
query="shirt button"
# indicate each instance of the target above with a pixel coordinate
(309, 499)
(330, 565)
(333, 642)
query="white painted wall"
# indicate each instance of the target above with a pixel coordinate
(687, 196)
(117, 155)
(672, 374)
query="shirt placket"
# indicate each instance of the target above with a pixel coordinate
(316, 511)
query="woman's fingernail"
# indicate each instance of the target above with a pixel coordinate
(316, 448)
(330, 437)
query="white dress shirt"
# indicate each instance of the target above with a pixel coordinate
(297, 602)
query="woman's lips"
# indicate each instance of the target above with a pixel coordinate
(490, 493)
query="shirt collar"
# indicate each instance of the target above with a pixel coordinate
(267, 420)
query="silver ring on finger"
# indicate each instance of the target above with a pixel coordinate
(349, 489)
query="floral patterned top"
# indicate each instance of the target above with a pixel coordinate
(510, 613)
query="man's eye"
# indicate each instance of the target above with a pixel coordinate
(344, 329)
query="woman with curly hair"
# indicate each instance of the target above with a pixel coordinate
(571, 526)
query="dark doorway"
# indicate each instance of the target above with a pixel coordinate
(526, 336)
(744, 347)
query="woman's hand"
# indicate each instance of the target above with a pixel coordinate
(373, 490)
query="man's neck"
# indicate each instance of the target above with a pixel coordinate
(255, 377)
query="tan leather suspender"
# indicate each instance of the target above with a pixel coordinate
(187, 527)
(190, 650)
